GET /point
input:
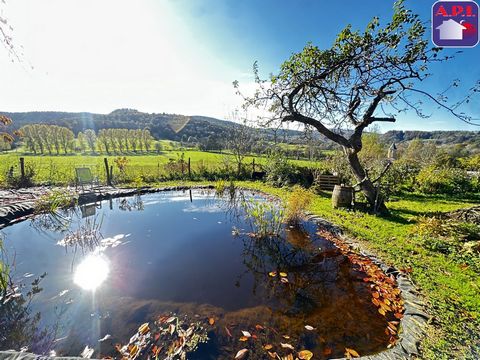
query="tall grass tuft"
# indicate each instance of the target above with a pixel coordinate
(298, 202)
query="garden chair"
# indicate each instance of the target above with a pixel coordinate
(84, 177)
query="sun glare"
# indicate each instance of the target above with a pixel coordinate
(91, 272)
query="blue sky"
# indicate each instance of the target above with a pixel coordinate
(181, 56)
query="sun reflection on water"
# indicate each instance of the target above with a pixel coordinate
(91, 272)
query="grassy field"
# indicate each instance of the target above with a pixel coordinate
(61, 169)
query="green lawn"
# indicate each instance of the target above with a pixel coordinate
(60, 169)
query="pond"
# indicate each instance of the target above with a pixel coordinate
(186, 262)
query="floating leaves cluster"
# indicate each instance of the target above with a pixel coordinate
(385, 293)
(168, 338)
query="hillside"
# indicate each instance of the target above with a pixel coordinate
(181, 127)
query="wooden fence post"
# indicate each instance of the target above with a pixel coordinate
(22, 168)
(189, 169)
(107, 171)
(253, 165)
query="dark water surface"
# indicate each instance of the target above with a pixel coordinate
(162, 254)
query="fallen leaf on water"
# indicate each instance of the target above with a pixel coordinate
(283, 274)
(243, 338)
(309, 328)
(351, 352)
(287, 346)
(305, 355)
(143, 329)
(246, 333)
(106, 337)
(272, 273)
(87, 352)
(268, 347)
(134, 350)
(241, 354)
(211, 321)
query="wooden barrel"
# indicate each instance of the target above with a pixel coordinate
(342, 196)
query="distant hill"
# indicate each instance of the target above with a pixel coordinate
(468, 139)
(162, 126)
(181, 127)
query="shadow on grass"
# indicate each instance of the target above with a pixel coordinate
(441, 198)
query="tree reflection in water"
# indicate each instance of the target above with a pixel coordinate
(20, 328)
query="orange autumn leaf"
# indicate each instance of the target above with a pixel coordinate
(327, 351)
(211, 321)
(351, 352)
(305, 355)
(243, 338)
(268, 346)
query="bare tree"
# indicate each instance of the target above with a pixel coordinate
(362, 79)
(239, 141)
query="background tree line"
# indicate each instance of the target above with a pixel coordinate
(52, 139)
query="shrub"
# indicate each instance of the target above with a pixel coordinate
(278, 169)
(299, 200)
(431, 180)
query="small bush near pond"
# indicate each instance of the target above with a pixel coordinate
(299, 200)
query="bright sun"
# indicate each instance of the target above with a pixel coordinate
(91, 272)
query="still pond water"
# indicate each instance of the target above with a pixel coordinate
(189, 255)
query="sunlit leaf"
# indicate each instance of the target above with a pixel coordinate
(351, 352)
(243, 338)
(283, 274)
(268, 346)
(309, 328)
(284, 280)
(272, 273)
(241, 354)
(143, 329)
(246, 333)
(287, 346)
(305, 355)
(211, 321)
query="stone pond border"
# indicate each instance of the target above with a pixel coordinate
(412, 325)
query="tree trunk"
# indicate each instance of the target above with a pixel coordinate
(375, 200)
